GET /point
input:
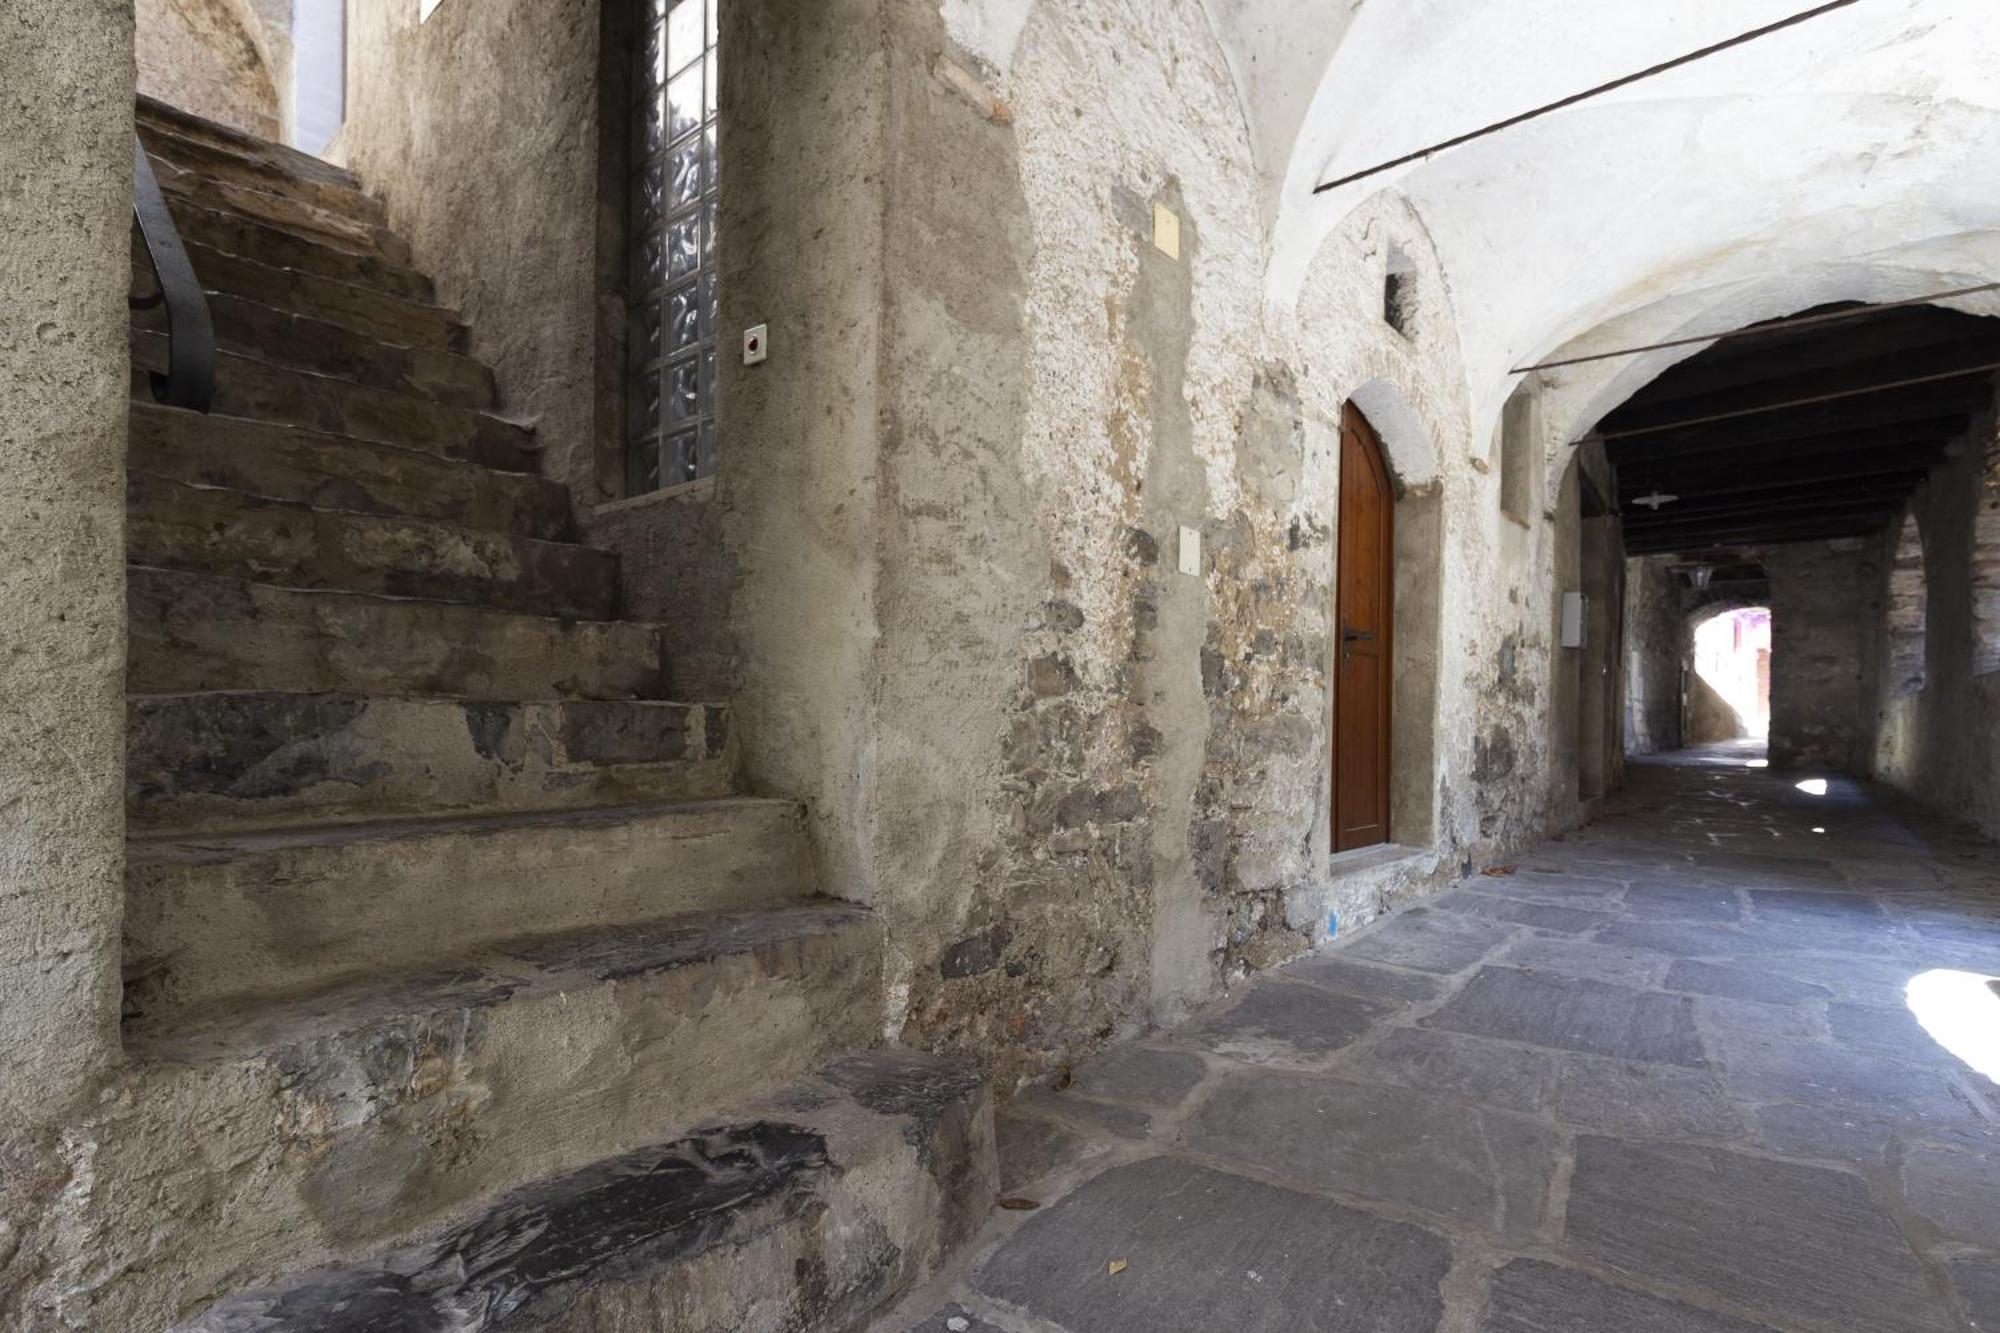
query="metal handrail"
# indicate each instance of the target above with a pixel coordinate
(190, 378)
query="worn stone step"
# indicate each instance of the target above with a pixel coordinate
(254, 388)
(211, 530)
(153, 115)
(240, 159)
(241, 759)
(285, 211)
(241, 914)
(340, 472)
(527, 1060)
(237, 234)
(818, 1193)
(190, 632)
(302, 341)
(366, 310)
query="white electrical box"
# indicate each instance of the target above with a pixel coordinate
(1191, 551)
(1572, 623)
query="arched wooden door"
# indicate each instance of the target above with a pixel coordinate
(1364, 614)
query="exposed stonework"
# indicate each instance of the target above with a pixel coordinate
(1826, 629)
(1655, 634)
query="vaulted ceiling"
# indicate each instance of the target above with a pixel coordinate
(1850, 157)
(1791, 435)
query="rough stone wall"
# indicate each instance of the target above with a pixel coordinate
(939, 563)
(478, 129)
(1826, 608)
(1083, 788)
(1941, 744)
(223, 59)
(66, 153)
(1655, 634)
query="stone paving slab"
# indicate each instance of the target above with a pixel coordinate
(1734, 981)
(1283, 1021)
(1430, 941)
(1513, 1078)
(1553, 917)
(1662, 1079)
(1762, 1234)
(1667, 900)
(1203, 1250)
(1977, 1281)
(1140, 1074)
(1528, 1296)
(1644, 1100)
(1581, 958)
(1404, 1146)
(1957, 1192)
(1574, 1014)
(1348, 977)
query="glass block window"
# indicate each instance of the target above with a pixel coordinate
(671, 439)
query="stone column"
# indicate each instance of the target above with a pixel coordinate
(65, 217)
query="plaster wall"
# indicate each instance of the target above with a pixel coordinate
(227, 60)
(478, 129)
(66, 153)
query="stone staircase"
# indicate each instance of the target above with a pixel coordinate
(442, 911)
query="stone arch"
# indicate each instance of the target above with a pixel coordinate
(1408, 382)
(1713, 710)
(1908, 613)
(1986, 564)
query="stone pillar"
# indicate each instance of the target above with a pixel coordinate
(65, 216)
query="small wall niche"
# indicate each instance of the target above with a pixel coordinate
(1399, 293)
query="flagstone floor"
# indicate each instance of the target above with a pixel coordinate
(1721, 1062)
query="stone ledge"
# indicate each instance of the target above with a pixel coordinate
(805, 1213)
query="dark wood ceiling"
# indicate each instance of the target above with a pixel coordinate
(1769, 473)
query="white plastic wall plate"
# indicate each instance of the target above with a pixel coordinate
(1572, 623)
(756, 344)
(1191, 551)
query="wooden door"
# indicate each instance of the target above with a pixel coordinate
(1364, 612)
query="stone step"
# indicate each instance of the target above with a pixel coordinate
(193, 632)
(284, 211)
(247, 759)
(254, 388)
(223, 154)
(264, 913)
(211, 530)
(365, 310)
(811, 1211)
(334, 1124)
(245, 237)
(340, 472)
(303, 342)
(153, 115)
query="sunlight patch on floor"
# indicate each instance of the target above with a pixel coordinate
(1961, 1011)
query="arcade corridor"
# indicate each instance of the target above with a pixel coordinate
(1709, 1065)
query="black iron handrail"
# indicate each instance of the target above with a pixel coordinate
(190, 378)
